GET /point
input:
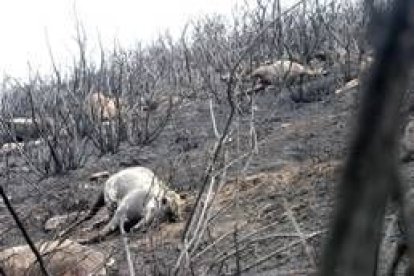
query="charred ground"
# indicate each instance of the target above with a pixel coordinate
(284, 151)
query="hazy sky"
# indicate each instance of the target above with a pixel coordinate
(24, 24)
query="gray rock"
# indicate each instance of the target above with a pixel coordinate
(61, 258)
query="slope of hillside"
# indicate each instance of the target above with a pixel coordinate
(279, 205)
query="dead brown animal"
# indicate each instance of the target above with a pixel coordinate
(98, 106)
(283, 70)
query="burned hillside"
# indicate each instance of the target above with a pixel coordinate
(250, 117)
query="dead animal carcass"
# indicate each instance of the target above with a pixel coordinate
(136, 197)
(100, 107)
(283, 70)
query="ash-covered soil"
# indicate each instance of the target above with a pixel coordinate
(270, 216)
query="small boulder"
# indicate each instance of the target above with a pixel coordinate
(66, 258)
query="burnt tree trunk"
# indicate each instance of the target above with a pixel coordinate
(370, 175)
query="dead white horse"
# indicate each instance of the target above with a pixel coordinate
(137, 197)
(283, 70)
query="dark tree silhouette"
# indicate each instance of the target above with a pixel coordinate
(370, 175)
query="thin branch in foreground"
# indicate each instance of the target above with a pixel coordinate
(213, 120)
(308, 250)
(24, 232)
(236, 246)
(127, 250)
(278, 251)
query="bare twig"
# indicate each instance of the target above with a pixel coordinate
(213, 120)
(302, 238)
(213, 244)
(126, 247)
(276, 252)
(197, 234)
(236, 246)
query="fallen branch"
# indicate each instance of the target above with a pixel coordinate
(127, 250)
(278, 251)
(308, 249)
